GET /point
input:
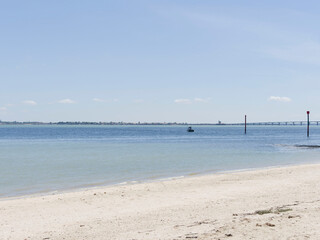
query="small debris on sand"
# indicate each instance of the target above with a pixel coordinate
(270, 224)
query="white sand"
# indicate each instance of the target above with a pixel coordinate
(220, 206)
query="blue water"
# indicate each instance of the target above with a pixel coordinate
(36, 159)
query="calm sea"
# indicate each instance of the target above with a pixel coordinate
(35, 159)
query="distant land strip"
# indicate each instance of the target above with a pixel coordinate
(290, 123)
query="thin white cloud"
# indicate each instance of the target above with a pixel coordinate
(29, 102)
(66, 101)
(189, 101)
(225, 21)
(202, 100)
(138, 100)
(98, 100)
(279, 99)
(302, 48)
(104, 100)
(5, 108)
(183, 101)
(307, 52)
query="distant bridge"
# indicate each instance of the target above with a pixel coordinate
(293, 123)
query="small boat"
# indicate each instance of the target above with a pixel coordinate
(190, 129)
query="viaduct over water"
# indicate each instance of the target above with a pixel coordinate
(292, 123)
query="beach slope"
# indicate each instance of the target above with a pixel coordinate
(277, 203)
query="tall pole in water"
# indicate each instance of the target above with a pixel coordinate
(245, 124)
(308, 123)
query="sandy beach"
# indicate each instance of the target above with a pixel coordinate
(277, 203)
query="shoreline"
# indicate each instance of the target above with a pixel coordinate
(147, 180)
(216, 206)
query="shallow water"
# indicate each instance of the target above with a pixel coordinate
(36, 159)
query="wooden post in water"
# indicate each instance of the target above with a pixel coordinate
(245, 124)
(308, 123)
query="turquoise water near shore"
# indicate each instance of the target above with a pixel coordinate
(35, 159)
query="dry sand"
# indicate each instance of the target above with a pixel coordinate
(220, 206)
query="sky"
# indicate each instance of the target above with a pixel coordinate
(159, 61)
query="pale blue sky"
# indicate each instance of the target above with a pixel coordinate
(184, 61)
